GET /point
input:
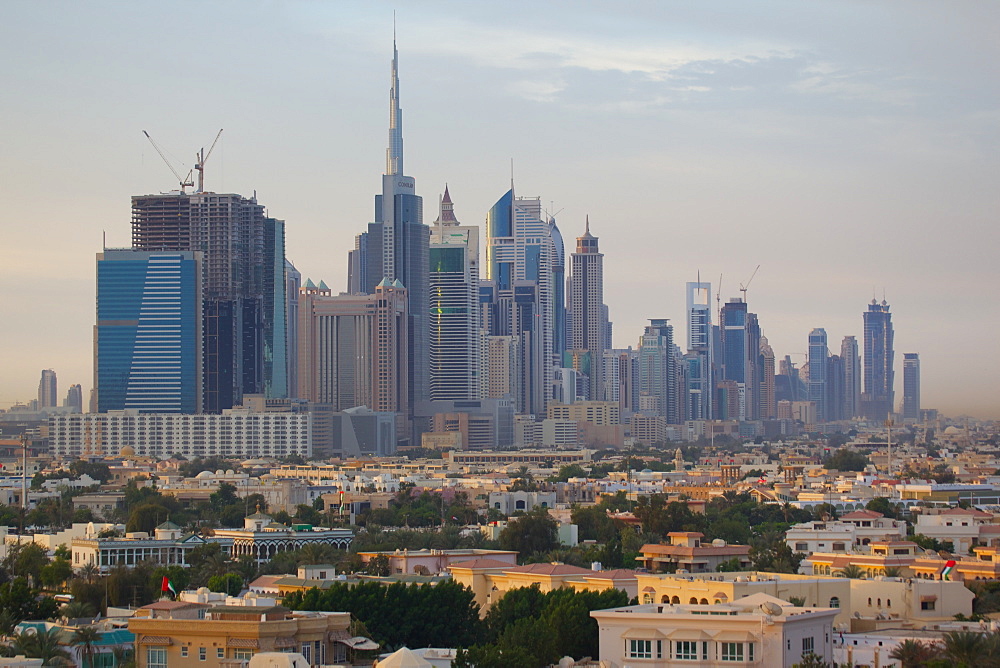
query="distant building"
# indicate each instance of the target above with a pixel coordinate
(587, 312)
(47, 390)
(74, 399)
(852, 377)
(877, 401)
(261, 538)
(911, 386)
(818, 355)
(687, 552)
(168, 546)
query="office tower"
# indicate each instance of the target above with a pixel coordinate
(148, 336)
(293, 281)
(852, 378)
(621, 380)
(522, 248)
(733, 327)
(353, 350)
(788, 385)
(818, 354)
(500, 367)
(768, 403)
(878, 397)
(74, 399)
(515, 312)
(836, 383)
(657, 371)
(754, 364)
(239, 246)
(587, 311)
(699, 345)
(396, 245)
(47, 390)
(911, 386)
(275, 311)
(453, 281)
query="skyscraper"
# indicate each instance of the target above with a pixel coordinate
(877, 402)
(736, 351)
(911, 386)
(699, 344)
(818, 354)
(852, 378)
(768, 402)
(148, 336)
(396, 247)
(454, 312)
(47, 390)
(293, 281)
(657, 371)
(523, 248)
(240, 248)
(587, 311)
(74, 399)
(515, 312)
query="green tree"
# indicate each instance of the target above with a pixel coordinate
(230, 583)
(846, 459)
(852, 571)
(593, 523)
(531, 533)
(880, 504)
(40, 644)
(378, 566)
(963, 648)
(913, 653)
(56, 573)
(569, 471)
(86, 638)
(25, 559)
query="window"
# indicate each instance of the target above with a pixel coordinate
(750, 652)
(156, 657)
(801, 547)
(184, 652)
(640, 649)
(686, 650)
(926, 605)
(220, 652)
(731, 651)
(835, 602)
(808, 645)
(242, 654)
(202, 653)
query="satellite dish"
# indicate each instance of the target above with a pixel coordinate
(771, 608)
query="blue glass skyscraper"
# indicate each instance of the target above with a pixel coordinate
(148, 336)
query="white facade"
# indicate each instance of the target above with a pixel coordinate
(758, 630)
(853, 530)
(236, 433)
(961, 526)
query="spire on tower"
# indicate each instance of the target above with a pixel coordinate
(446, 214)
(394, 154)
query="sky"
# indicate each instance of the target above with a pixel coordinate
(848, 148)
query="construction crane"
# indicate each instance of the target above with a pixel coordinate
(718, 299)
(744, 288)
(201, 158)
(184, 182)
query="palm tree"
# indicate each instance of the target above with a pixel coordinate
(914, 654)
(124, 657)
(963, 648)
(90, 571)
(76, 610)
(40, 644)
(893, 572)
(852, 571)
(86, 638)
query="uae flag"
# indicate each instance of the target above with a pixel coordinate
(168, 586)
(949, 566)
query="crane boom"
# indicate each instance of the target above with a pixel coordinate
(183, 182)
(744, 288)
(201, 158)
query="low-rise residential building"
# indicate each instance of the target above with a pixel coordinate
(168, 546)
(757, 630)
(188, 634)
(430, 562)
(853, 530)
(687, 552)
(896, 556)
(510, 502)
(962, 527)
(261, 537)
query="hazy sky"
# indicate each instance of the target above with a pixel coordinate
(846, 147)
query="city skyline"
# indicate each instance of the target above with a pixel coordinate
(795, 292)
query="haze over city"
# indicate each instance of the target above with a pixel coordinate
(849, 150)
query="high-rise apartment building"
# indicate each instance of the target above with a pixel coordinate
(48, 393)
(515, 313)
(293, 282)
(353, 350)
(911, 386)
(734, 328)
(836, 375)
(148, 337)
(768, 400)
(699, 344)
(396, 247)
(852, 378)
(621, 380)
(523, 248)
(454, 313)
(877, 402)
(587, 311)
(818, 354)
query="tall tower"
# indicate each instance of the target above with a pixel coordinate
(454, 312)
(699, 344)
(818, 354)
(74, 399)
(852, 377)
(657, 371)
(396, 247)
(47, 390)
(878, 399)
(768, 402)
(733, 327)
(911, 386)
(586, 307)
(522, 248)
(148, 338)
(293, 281)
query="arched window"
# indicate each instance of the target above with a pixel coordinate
(888, 602)
(880, 603)
(693, 601)
(869, 601)
(704, 601)
(835, 602)
(647, 598)
(675, 600)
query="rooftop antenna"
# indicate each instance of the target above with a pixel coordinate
(183, 182)
(200, 159)
(744, 288)
(718, 299)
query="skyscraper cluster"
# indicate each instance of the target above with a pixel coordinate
(205, 310)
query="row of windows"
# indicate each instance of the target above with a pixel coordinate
(691, 650)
